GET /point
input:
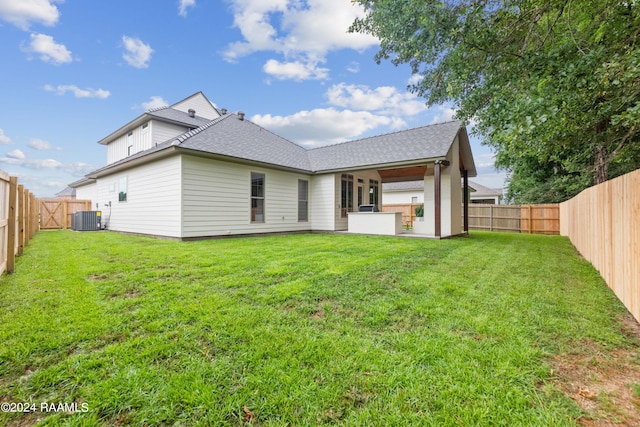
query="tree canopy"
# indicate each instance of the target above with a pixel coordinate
(554, 85)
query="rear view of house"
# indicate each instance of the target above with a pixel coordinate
(190, 171)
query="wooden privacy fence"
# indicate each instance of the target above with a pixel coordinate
(532, 219)
(19, 217)
(408, 211)
(603, 223)
(56, 214)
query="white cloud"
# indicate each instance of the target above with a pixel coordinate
(383, 99)
(302, 31)
(138, 53)
(295, 70)
(444, 114)
(49, 50)
(184, 5)
(22, 13)
(415, 79)
(16, 154)
(324, 126)
(353, 67)
(485, 160)
(4, 139)
(154, 102)
(18, 158)
(41, 145)
(77, 92)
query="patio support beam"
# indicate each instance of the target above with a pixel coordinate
(437, 198)
(465, 203)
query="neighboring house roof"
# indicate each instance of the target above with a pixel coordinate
(231, 136)
(482, 191)
(479, 190)
(67, 192)
(403, 186)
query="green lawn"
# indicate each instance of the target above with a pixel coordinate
(300, 330)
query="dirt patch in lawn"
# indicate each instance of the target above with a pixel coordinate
(604, 384)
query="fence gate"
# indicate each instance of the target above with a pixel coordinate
(55, 214)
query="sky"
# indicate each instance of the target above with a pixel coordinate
(72, 72)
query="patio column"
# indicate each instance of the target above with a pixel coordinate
(465, 203)
(437, 198)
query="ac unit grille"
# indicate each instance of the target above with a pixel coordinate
(86, 221)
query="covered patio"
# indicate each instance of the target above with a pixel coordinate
(443, 194)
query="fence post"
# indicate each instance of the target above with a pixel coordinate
(11, 225)
(530, 221)
(35, 206)
(490, 217)
(65, 212)
(27, 218)
(21, 220)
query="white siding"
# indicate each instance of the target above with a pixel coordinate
(88, 192)
(165, 131)
(198, 103)
(153, 199)
(322, 193)
(117, 150)
(217, 199)
(402, 197)
(143, 139)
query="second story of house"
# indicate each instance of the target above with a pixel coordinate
(158, 125)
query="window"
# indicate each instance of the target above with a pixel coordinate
(129, 143)
(122, 190)
(303, 200)
(373, 192)
(257, 197)
(346, 199)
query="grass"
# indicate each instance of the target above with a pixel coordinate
(299, 330)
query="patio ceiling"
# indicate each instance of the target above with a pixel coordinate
(411, 173)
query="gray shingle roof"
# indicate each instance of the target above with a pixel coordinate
(232, 137)
(427, 142)
(174, 115)
(242, 139)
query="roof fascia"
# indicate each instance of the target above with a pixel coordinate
(465, 152)
(238, 160)
(124, 129)
(82, 182)
(156, 155)
(138, 121)
(407, 163)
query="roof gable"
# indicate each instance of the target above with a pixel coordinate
(200, 104)
(427, 142)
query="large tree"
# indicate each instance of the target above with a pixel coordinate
(554, 85)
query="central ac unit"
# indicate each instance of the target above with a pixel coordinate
(86, 221)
